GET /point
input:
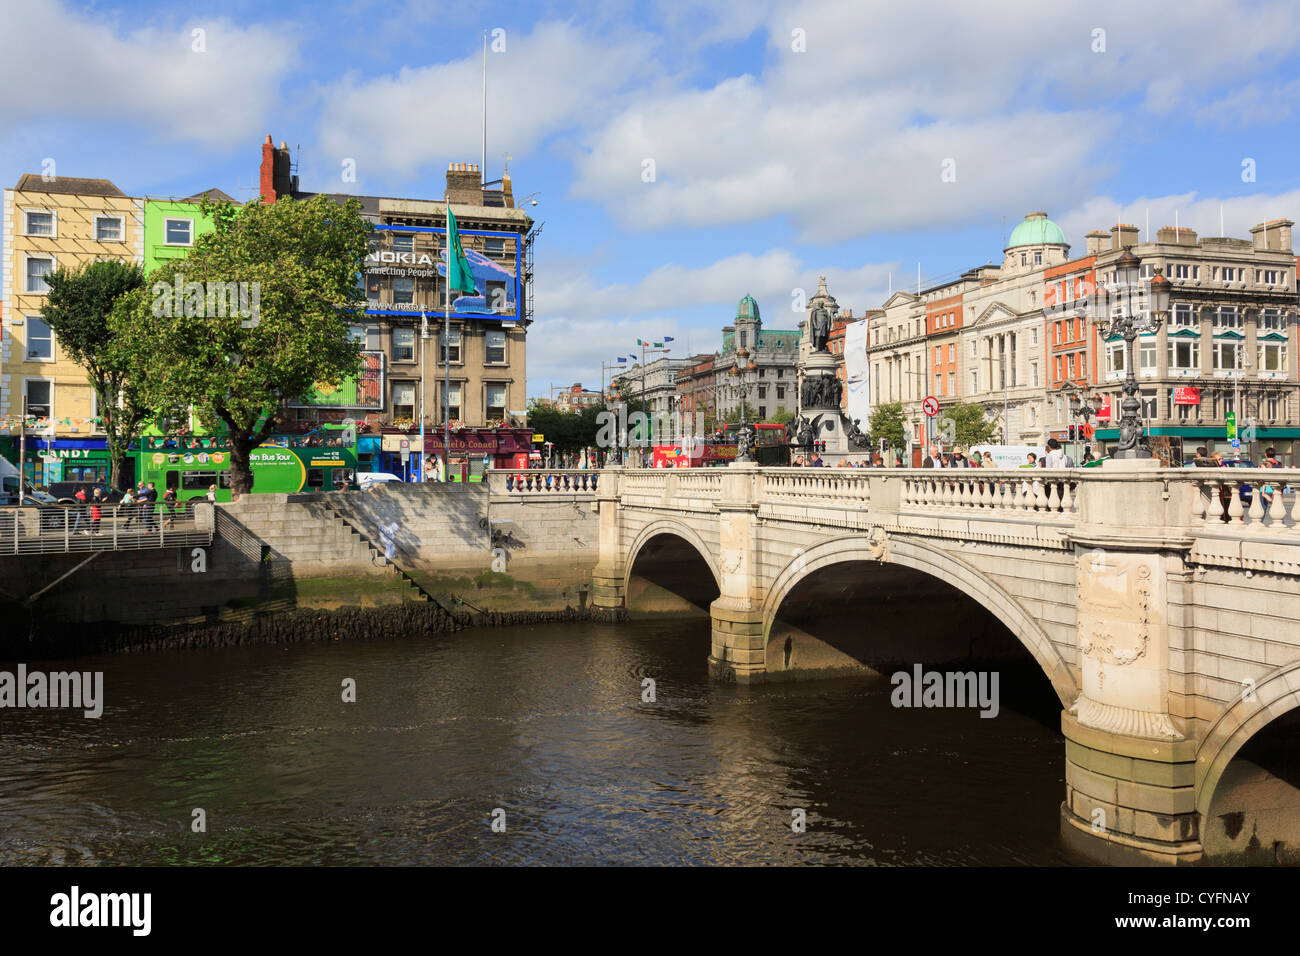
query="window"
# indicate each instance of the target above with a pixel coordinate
(1184, 354)
(974, 381)
(744, 338)
(403, 242)
(1149, 407)
(1227, 317)
(762, 392)
(1267, 276)
(780, 393)
(938, 354)
(1271, 408)
(202, 480)
(494, 247)
(373, 343)
(179, 232)
(952, 351)
(1115, 359)
(1270, 320)
(1038, 258)
(1147, 355)
(452, 407)
(1023, 261)
(1184, 317)
(952, 383)
(40, 340)
(38, 267)
(403, 291)
(372, 288)
(495, 399)
(38, 395)
(404, 400)
(1230, 274)
(403, 345)
(108, 228)
(1225, 355)
(780, 372)
(315, 478)
(1181, 412)
(762, 411)
(1272, 356)
(38, 223)
(972, 348)
(495, 347)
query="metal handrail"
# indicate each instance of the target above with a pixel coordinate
(65, 529)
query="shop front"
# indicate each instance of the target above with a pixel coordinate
(473, 451)
(64, 465)
(1177, 444)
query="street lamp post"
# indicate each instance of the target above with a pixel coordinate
(743, 375)
(1127, 320)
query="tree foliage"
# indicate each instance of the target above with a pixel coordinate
(568, 431)
(78, 308)
(300, 261)
(888, 422)
(969, 426)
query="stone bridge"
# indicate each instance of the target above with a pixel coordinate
(1160, 604)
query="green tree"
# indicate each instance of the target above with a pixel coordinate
(78, 308)
(887, 421)
(751, 414)
(780, 416)
(969, 424)
(236, 367)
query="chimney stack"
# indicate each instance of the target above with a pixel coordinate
(1180, 235)
(1096, 241)
(1273, 236)
(267, 171)
(464, 185)
(1123, 234)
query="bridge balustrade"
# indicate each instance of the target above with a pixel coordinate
(1247, 499)
(991, 489)
(543, 481)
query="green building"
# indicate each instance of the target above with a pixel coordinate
(171, 227)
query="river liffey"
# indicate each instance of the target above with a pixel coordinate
(546, 725)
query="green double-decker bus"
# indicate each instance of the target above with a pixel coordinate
(324, 459)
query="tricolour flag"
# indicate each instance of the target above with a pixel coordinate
(621, 359)
(459, 277)
(668, 338)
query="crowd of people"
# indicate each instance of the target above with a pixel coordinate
(139, 506)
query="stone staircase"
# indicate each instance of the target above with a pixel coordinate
(316, 540)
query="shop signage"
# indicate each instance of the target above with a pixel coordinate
(1186, 395)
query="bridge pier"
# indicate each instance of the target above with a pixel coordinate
(739, 654)
(1129, 770)
(608, 588)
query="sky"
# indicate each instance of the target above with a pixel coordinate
(686, 154)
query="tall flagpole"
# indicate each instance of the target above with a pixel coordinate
(482, 176)
(424, 334)
(446, 358)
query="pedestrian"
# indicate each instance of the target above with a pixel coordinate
(169, 505)
(1033, 461)
(1056, 458)
(212, 494)
(1270, 458)
(96, 510)
(149, 506)
(842, 463)
(1087, 455)
(959, 457)
(1202, 459)
(934, 459)
(81, 508)
(988, 461)
(816, 461)
(128, 502)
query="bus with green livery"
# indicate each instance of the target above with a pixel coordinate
(324, 459)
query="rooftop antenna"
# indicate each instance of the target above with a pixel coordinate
(1221, 233)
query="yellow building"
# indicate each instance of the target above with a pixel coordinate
(49, 224)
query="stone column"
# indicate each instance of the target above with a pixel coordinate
(608, 592)
(738, 654)
(1129, 770)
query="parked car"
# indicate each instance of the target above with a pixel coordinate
(368, 479)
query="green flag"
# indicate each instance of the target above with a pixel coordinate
(459, 278)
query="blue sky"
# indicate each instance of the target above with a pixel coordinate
(788, 139)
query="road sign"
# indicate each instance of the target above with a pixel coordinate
(930, 406)
(405, 447)
(1232, 426)
(1236, 443)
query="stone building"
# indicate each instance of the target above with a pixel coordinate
(773, 352)
(405, 276)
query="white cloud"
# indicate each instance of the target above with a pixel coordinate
(73, 66)
(1240, 213)
(548, 80)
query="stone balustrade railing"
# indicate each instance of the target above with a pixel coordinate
(540, 481)
(1260, 500)
(991, 489)
(845, 486)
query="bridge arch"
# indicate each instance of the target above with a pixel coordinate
(920, 556)
(1276, 693)
(679, 529)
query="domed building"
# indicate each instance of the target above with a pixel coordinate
(773, 352)
(1035, 243)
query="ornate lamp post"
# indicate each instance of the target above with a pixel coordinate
(1127, 318)
(743, 375)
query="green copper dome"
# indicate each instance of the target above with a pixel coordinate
(1036, 230)
(747, 309)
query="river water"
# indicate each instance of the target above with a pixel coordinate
(546, 724)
